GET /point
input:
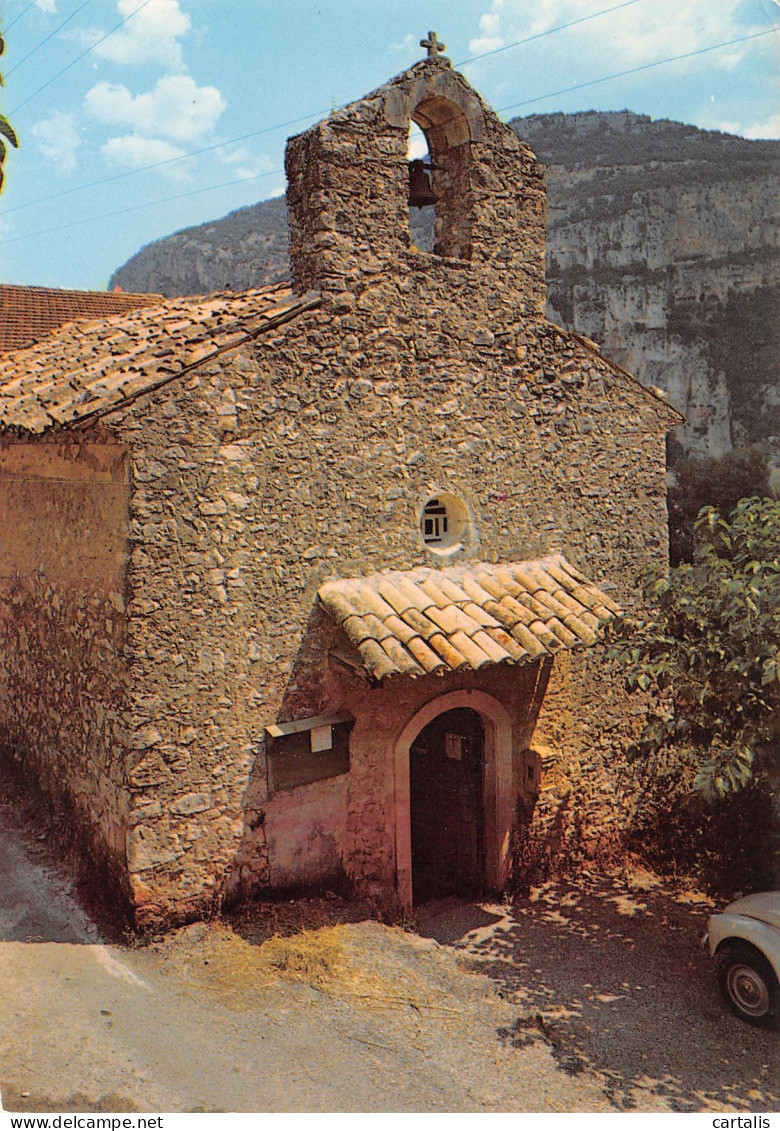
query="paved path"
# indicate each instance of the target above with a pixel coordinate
(88, 1026)
(594, 997)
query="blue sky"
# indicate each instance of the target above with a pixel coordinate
(100, 90)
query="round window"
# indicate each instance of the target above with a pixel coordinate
(444, 522)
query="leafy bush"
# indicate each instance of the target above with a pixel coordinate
(708, 654)
(727, 845)
(7, 134)
(715, 482)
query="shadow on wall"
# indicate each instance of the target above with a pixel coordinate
(46, 894)
(289, 844)
(295, 838)
(537, 853)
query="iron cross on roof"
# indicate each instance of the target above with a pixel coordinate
(432, 45)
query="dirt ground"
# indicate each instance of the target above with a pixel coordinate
(591, 997)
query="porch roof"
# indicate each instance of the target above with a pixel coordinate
(419, 621)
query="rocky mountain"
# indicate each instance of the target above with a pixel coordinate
(662, 247)
(245, 249)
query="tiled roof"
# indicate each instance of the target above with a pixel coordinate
(88, 368)
(434, 620)
(28, 314)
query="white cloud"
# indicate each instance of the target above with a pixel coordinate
(135, 152)
(246, 164)
(418, 144)
(407, 45)
(58, 139)
(632, 36)
(177, 108)
(757, 131)
(490, 28)
(150, 36)
(46, 5)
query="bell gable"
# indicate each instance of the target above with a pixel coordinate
(348, 190)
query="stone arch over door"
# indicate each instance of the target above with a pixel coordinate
(497, 785)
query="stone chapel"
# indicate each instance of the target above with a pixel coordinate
(304, 586)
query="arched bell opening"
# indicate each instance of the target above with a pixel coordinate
(440, 194)
(422, 199)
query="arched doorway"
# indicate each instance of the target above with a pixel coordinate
(497, 795)
(446, 806)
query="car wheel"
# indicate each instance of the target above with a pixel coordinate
(748, 984)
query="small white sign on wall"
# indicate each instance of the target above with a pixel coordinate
(321, 738)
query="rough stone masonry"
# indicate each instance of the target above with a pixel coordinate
(178, 482)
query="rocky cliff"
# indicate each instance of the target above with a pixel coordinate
(662, 246)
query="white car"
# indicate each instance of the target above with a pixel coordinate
(744, 939)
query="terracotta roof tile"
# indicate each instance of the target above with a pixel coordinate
(402, 660)
(377, 660)
(28, 314)
(479, 615)
(453, 658)
(475, 656)
(394, 597)
(427, 659)
(88, 368)
(451, 620)
(425, 627)
(534, 648)
(420, 621)
(513, 649)
(358, 630)
(401, 630)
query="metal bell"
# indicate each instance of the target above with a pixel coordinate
(420, 188)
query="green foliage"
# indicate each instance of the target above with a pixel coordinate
(708, 654)
(716, 482)
(727, 844)
(7, 134)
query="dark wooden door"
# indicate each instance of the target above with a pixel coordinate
(447, 823)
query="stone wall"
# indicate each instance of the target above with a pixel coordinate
(347, 192)
(588, 789)
(310, 457)
(63, 676)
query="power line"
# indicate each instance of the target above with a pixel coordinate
(139, 207)
(167, 161)
(78, 58)
(284, 125)
(16, 19)
(244, 180)
(542, 34)
(636, 70)
(47, 38)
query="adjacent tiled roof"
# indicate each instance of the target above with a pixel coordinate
(434, 620)
(28, 314)
(88, 368)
